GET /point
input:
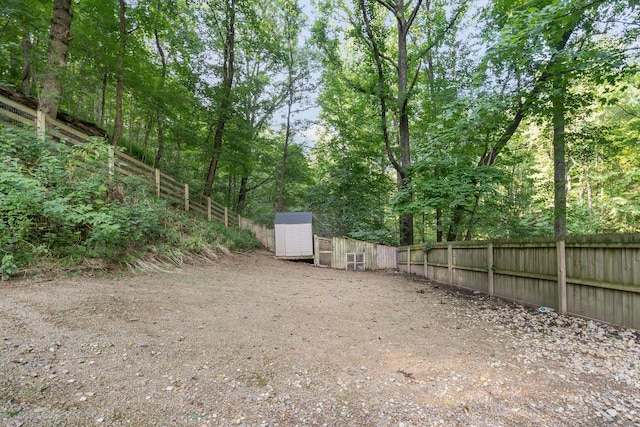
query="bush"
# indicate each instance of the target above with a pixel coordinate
(62, 203)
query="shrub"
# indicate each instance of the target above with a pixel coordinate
(63, 203)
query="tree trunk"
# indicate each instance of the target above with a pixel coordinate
(147, 134)
(588, 180)
(103, 99)
(403, 25)
(242, 194)
(57, 61)
(163, 73)
(285, 150)
(26, 64)
(117, 131)
(559, 158)
(225, 103)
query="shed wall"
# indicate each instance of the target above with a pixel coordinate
(294, 240)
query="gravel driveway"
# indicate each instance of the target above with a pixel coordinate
(256, 341)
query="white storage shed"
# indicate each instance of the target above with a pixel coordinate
(294, 234)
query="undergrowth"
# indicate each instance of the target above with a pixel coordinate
(60, 206)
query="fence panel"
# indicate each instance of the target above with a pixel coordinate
(602, 273)
(386, 257)
(470, 267)
(15, 114)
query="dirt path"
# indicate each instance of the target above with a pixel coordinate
(260, 342)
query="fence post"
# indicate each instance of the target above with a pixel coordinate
(316, 250)
(111, 161)
(41, 123)
(226, 217)
(157, 182)
(490, 268)
(408, 259)
(425, 263)
(562, 276)
(186, 197)
(208, 208)
(450, 262)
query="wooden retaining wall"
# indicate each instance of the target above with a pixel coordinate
(596, 277)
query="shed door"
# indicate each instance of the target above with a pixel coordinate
(294, 240)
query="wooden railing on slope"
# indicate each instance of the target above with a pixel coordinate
(15, 114)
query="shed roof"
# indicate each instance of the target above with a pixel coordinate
(293, 218)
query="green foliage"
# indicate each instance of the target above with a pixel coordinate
(7, 267)
(461, 100)
(61, 203)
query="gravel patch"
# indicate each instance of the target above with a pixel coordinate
(254, 341)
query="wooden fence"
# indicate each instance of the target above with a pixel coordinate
(15, 114)
(336, 252)
(265, 235)
(596, 277)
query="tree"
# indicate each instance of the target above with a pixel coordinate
(224, 108)
(117, 132)
(553, 45)
(392, 75)
(161, 88)
(297, 81)
(60, 34)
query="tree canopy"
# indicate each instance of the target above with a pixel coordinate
(436, 120)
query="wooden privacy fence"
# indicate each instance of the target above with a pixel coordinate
(596, 277)
(344, 253)
(265, 235)
(15, 114)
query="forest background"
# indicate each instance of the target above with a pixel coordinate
(437, 120)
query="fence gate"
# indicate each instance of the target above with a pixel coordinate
(324, 251)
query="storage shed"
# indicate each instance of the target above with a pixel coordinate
(294, 234)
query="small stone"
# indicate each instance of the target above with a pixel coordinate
(169, 388)
(100, 420)
(612, 412)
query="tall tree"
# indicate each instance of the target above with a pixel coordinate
(60, 35)
(225, 101)
(161, 89)
(553, 46)
(117, 131)
(395, 60)
(298, 76)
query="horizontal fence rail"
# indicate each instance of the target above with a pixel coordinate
(14, 114)
(596, 277)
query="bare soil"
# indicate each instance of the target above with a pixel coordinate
(262, 342)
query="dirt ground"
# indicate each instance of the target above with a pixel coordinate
(261, 342)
